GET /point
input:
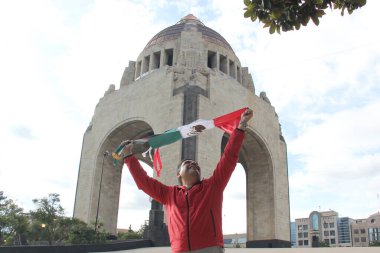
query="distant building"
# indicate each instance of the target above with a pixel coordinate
(235, 240)
(319, 227)
(366, 231)
(344, 231)
(328, 228)
(293, 234)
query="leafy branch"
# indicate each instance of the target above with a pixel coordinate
(287, 15)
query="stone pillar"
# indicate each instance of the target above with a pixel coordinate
(162, 60)
(157, 230)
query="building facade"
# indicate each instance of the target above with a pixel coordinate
(293, 234)
(366, 231)
(344, 231)
(319, 227)
(235, 240)
(327, 229)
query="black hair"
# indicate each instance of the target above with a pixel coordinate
(178, 170)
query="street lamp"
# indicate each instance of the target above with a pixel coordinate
(105, 154)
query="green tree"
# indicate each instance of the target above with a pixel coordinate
(81, 233)
(143, 229)
(13, 222)
(37, 231)
(287, 15)
(375, 244)
(131, 234)
(323, 244)
(48, 213)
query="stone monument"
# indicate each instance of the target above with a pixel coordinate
(186, 72)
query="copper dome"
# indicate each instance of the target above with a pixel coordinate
(189, 23)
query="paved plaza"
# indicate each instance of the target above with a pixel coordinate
(290, 250)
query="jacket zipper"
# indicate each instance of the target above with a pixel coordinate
(188, 221)
(213, 222)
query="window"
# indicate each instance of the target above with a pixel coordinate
(227, 241)
(223, 63)
(326, 233)
(362, 231)
(315, 221)
(306, 242)
(332, 241)
(299, 235)
(238, 74)
(306, 234)
(332, 224)
(211, 60)
(332, 233)
(138, 69)
(146, 64)
(168, 60)
(232, 69)
(327, 241)
(325, 225)
(363, 239)
(374, 234)
(299, 227)
(305, 227)
(300, 243)
(156, 60)
(356, 231)
(356, 239)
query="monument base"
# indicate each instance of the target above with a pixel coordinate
(268, 244)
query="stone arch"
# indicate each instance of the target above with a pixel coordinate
(111, 179)
(256, 159)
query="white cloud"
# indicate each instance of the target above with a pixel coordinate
(53, 74)
(323, 82)
(340, 161)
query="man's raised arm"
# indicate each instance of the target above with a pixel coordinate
(229, 159)
(150, 186)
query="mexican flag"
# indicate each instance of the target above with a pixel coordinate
(227, 123)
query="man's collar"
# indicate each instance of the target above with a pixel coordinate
(184, 187)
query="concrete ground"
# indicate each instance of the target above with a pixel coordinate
(292, 250)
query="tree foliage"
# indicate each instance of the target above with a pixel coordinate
(47, 224)
(131, 234)
(323, 244)
(375, 244)
(13, 222)
(287, 15)
(48, 213)
(81, 233)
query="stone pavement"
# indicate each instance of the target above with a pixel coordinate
(243, 250)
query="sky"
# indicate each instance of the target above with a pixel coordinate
(57, 58)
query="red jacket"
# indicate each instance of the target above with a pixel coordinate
(194, 216)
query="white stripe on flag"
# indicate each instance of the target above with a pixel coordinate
(195, 128)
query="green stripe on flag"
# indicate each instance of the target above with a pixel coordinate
(165, 138)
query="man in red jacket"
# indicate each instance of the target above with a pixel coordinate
(194, 208)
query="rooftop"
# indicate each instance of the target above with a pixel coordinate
(189, 23)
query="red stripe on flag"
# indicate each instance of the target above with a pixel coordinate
(230, 121)
(157, 163)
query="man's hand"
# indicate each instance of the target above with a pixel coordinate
(245, 117)
(128, 147)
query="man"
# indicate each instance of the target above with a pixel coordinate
(194, 208)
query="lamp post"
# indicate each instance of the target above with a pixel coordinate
(105, 154)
